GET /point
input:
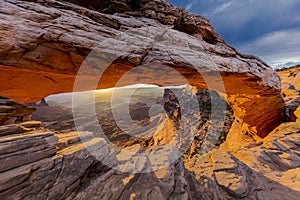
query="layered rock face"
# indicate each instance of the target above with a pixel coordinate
(41, 164)
(12, 112)
(291, 91)
(44, 47)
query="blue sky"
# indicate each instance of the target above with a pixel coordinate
(269, 29)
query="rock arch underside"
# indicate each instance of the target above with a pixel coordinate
(43, 44)
(43, 49)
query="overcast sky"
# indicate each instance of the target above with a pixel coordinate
(269, 29)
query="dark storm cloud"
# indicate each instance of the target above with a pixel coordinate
(278, 48)
(267, 28)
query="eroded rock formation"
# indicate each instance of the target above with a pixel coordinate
(44, 47)
(42, 164)
(12, 112)
(291, 91)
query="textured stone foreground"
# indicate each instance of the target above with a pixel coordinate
(43, 44)
(37, 163)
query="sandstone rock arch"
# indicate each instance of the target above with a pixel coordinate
(43, 49)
